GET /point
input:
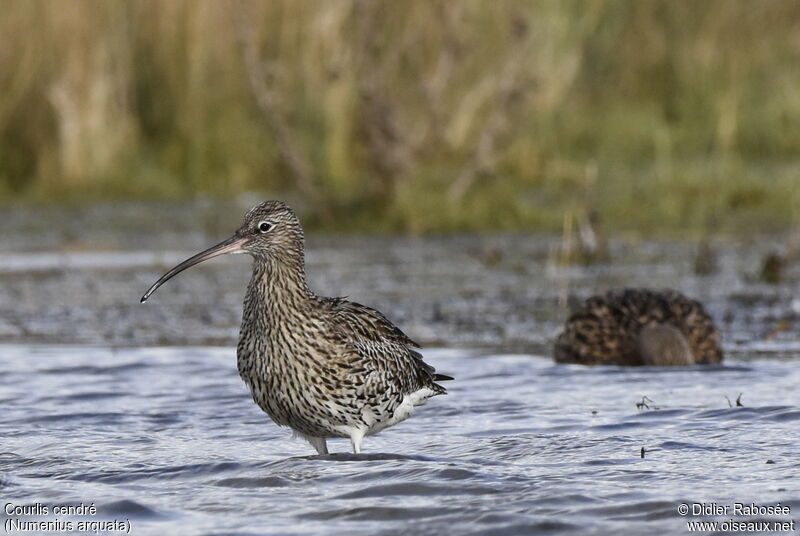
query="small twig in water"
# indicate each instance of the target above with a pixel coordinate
(645, 403)
(738, 401)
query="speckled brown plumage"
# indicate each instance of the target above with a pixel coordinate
(325, 367)
(606, 329)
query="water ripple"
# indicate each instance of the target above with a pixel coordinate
(169, 438)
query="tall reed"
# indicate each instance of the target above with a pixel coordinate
(420, 115)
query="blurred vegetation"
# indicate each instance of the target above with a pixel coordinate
(427, 115)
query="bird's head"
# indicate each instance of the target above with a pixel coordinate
(271, 232)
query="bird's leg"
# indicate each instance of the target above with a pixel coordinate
(319, 443)
(355, 440)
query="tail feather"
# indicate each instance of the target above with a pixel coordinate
(440, 378)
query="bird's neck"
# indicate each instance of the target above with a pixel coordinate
(277, 287)
(276, 299)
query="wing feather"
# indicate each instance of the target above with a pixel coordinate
(383, 347)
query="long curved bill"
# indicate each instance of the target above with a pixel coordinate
(231, 245)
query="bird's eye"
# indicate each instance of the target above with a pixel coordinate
(265, 227)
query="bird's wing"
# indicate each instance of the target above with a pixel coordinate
(367, 323)
(596, 334)
(382, 348)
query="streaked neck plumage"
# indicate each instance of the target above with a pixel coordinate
(278, 287)
(277, 299)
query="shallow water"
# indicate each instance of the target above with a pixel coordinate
(168, 440)
(443, 291)
(103, 402)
